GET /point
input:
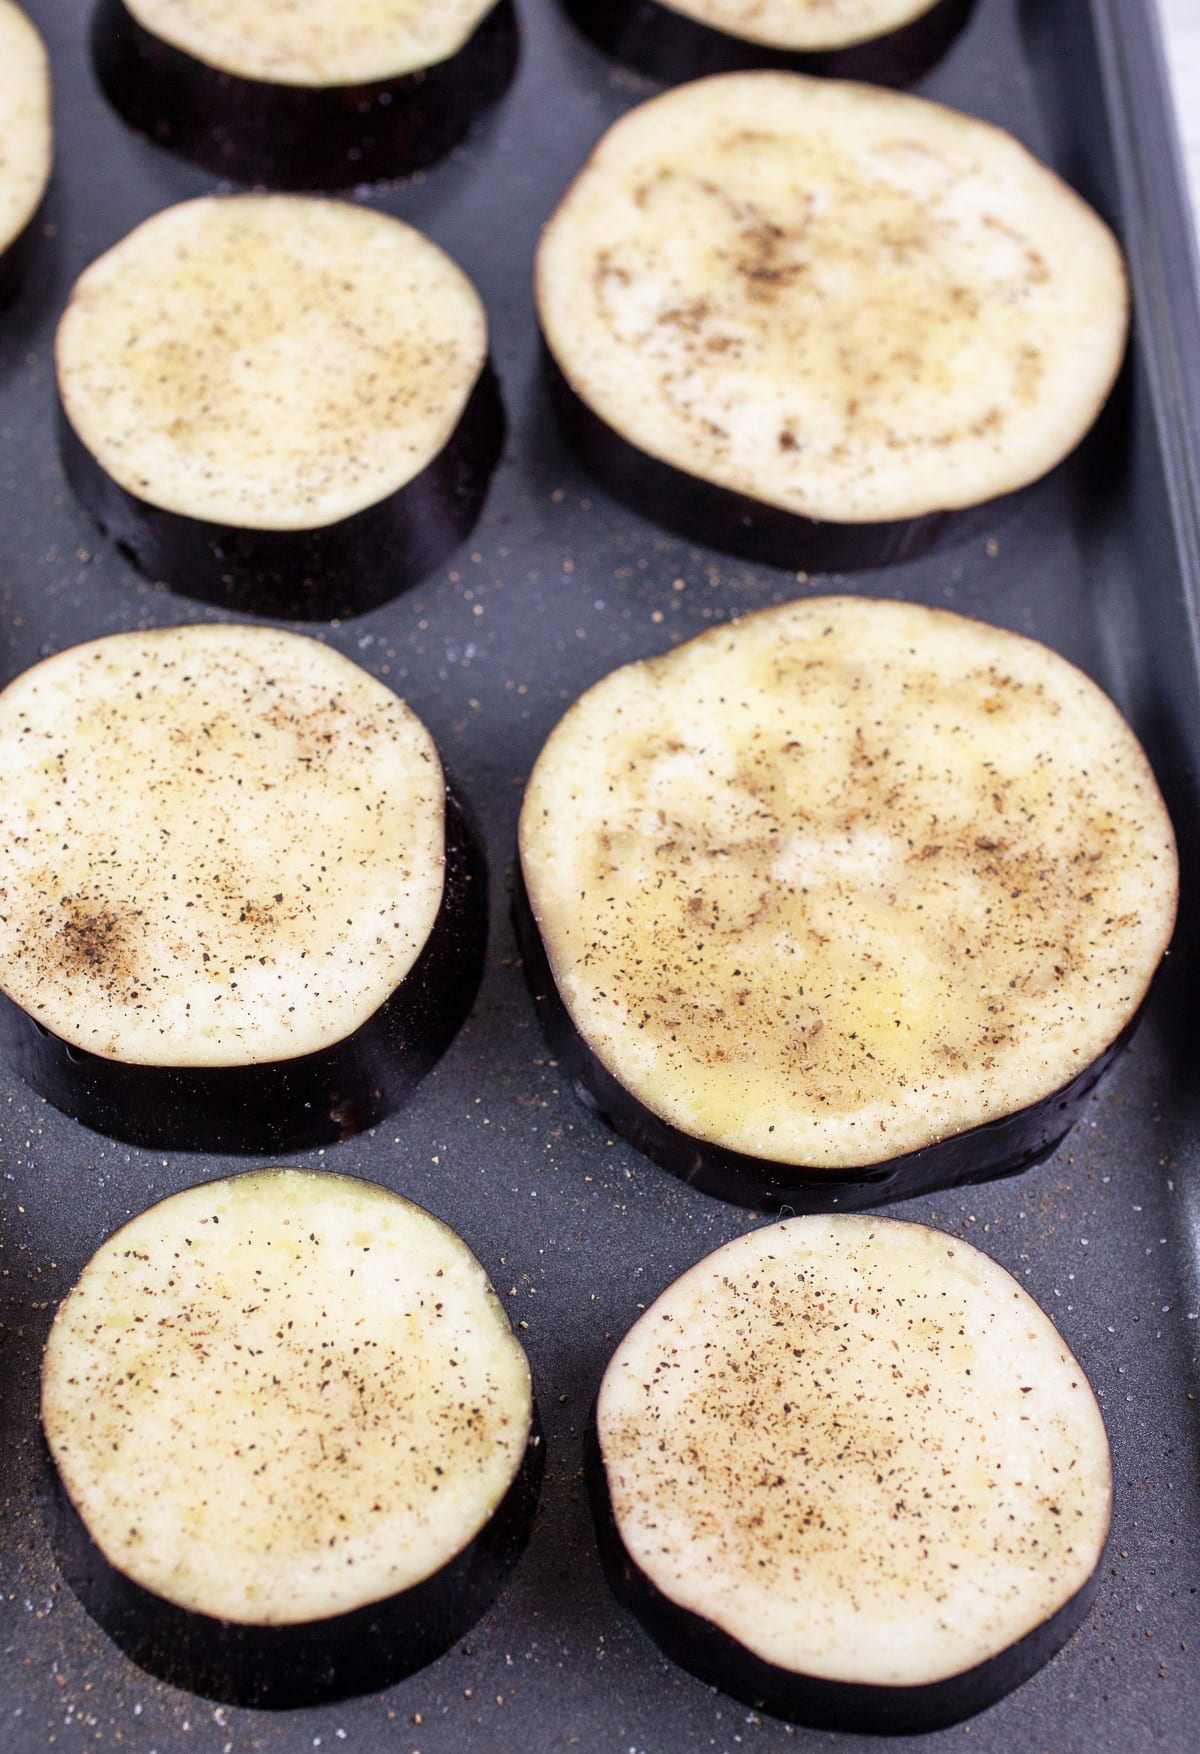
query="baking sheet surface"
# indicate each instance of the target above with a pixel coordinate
(556, 587)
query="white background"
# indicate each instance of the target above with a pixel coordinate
(1181, 29)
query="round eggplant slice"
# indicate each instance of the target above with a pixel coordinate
(26, 143)
(295, 1437)
(240, 912)
(323, 94)
(823, 325)
(848, 1471)
(844, 901)
(889, 42)
(278, 404)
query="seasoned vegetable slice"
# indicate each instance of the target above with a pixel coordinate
(796, 318)
(846, 1469)
(296, 1433)
(26, 139)
(239, 913)
(278, 403)
(840, 884)
(305, 94)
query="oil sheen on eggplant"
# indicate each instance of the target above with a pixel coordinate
(823, 325)
(26, 142)
(847, 1470)
(242, 912)
(278, 404)
(296, 1447)
(323, 95)
(843, 902)
(888, 44)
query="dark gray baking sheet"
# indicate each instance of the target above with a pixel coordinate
(556, 587)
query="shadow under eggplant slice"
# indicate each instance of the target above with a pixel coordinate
(251, 975)
(299, 1556)
(328, 133)
(846, 901)
(676, 43)
(279, 405)
(881, 1535)
(820, 325)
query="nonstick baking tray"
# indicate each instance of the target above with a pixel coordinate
(557, 586)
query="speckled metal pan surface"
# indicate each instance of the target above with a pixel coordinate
(556, 585)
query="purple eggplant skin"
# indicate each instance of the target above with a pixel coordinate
(283, 1667)
(335, 571)
(993, 1149)
(317, 1099)
(15, 259)
(707, 1652)
(672, 48)
(292, 136)
(734, 523)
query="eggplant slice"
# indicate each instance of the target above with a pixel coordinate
(847, 1470)
(26, 141)
(295, 1436)
(240, 912)
(888, 42)
(324, 94)
(279, 404)
(844, 901)
(805, 321)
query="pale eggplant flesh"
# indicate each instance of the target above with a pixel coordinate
(300, 136)
(242, 908)
(370, 1459)
(334, 571)
(26, 142)
(743, 525)
(278, 404)
(282, 1668)
(316, 1099)
(707, 1652)
(820, 324)
(843, 902)
(801, 1506)
(668, 44)
(988, 1152)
